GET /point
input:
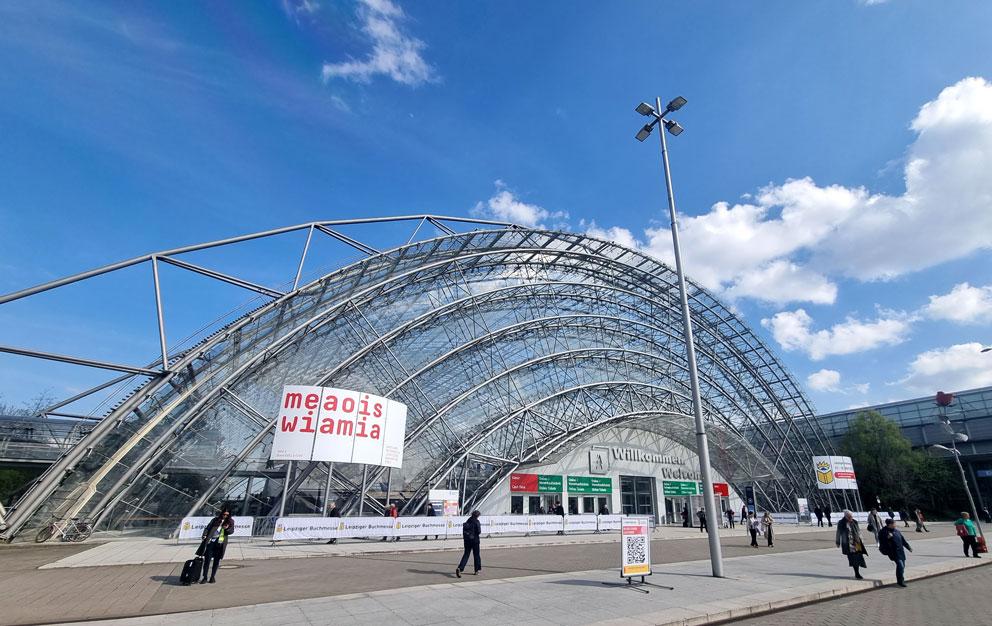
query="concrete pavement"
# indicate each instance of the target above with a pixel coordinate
(151, 550)
(759, 583)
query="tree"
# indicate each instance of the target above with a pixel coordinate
(888, 468)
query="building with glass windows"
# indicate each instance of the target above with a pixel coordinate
(537, 366)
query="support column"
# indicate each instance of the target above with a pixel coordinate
(244, 503)
(361, 496)
(285, 489)
(389, 485)
(327, 488)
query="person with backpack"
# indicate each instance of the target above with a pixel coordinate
(968, 533)
(471, 537)
(214, 544)
(892, 544)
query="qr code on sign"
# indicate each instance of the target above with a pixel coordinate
(635, 550)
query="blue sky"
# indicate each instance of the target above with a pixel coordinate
(833, 176)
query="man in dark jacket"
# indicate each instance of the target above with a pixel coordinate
(893, 545)
(430, 512)
(560, 510)
(333, 511)
(826, 514)
(214, 544)
(471, 537)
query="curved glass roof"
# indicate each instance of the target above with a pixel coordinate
(509, 345)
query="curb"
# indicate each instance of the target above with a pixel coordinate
(727, 612)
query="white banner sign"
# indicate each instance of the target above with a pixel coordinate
(193, 527)
(507, 524)
(420, 526)
(635, 547)
(444, 501)
(860, 516)
(337, 425)
(834, 472)
(609, 522)
(802, 505)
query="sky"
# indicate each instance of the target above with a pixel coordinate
(833, 181)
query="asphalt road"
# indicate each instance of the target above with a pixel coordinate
(958, 598)
(31, 596)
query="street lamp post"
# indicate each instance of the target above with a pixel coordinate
(957, 457)
(709, 505)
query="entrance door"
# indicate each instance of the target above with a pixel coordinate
(533, 504)
(637, 495)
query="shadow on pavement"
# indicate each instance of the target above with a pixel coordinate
(172, 581)
(437, 572)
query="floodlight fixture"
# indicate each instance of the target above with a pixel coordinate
(674, 127)
(676, 104)
(944, 448)
(645, 109)
(962, 437)
(644, 132)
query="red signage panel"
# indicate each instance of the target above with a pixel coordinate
(523, 482)
(721, 489)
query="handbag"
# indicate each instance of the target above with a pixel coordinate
(962, 530)
(980, 542)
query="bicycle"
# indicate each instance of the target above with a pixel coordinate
(73, 530)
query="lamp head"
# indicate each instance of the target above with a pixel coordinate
(676, 104)
(674, 127)
(645, 109)
(643, 133)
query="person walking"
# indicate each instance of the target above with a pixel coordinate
(471, 538)
(753, 527)
(429, 512)
(987, 515)
(848, 539)
(874, 524)
(892, 544)
(560, 510)
(968, 533)
(730, 518)
(214, 544)
(904, 517)
(604, 510)
(333, 511)
(818, 512)
(921, 522)
(701, 516)
(685, 517)
(392, 512)
(766, 523)
(826, 514)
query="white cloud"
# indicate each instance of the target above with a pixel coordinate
(505, 207)
(824, 380)
(615, 234)
(394, 53)
(296, 8)
(959, 367)
(792, 331)
(964, 304)
(782, 281)
(790, 241)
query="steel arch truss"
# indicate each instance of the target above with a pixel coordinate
(510, 347)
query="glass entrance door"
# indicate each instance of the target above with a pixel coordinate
(637, 495)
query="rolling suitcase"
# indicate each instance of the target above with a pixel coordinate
(191, 571)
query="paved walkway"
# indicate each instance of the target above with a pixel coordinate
(762, 582)
(149, 550)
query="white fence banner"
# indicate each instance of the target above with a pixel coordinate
(581, 523)
(546, 523)
(420, 526)
(192, 527)
(302, 528)
(506, 524)
(860, 516)
(785, 518)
